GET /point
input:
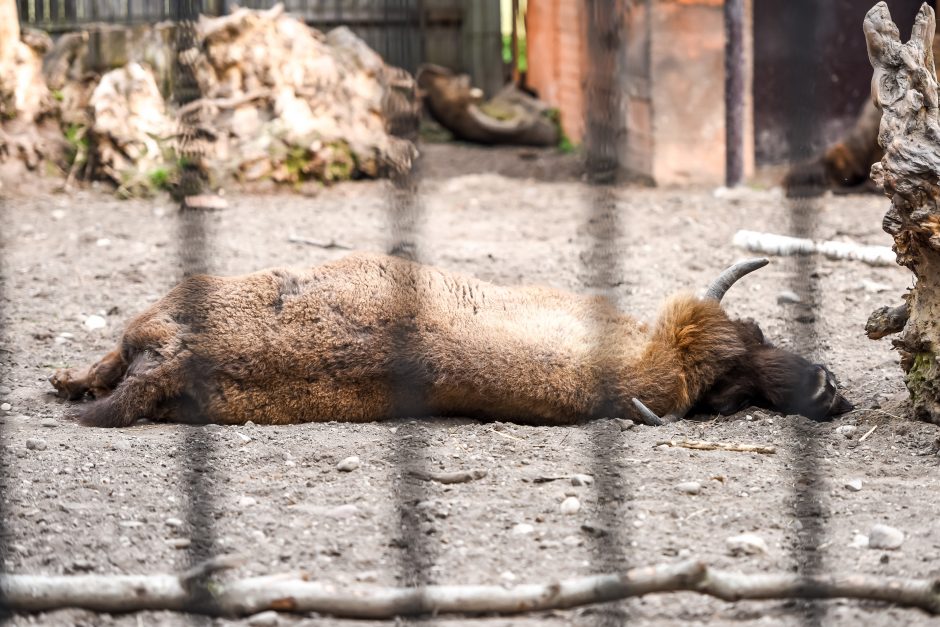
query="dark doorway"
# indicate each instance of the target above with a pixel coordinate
(836, 84)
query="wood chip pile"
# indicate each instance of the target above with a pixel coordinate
(278, 101)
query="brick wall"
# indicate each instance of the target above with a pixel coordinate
(671, 77)
(557, 56)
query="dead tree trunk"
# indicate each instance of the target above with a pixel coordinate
(9, 40)
(904, 87)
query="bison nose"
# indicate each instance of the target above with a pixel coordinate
(840, 405)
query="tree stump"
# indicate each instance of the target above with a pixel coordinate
(904, 87)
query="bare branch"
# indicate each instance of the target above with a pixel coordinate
(447, 477)
(127, 593)
(707, 445)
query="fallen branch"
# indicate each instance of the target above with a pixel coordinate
(129, 593)
(773, 244)
(297, 239)
(456, 476)
(707, 445)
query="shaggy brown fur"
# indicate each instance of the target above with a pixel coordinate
(844, 164)
(371, 337)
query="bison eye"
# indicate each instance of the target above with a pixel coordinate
(725, 397)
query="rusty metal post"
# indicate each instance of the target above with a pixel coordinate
(734, 92)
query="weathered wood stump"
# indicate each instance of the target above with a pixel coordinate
(904, 87)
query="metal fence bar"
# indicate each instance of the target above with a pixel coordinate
(734, 92)
(5, 460)
(604, 31)
(192, 243)
(408, 384)
(804, 97)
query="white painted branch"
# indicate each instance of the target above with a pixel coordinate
(126, 593)
(773, 244)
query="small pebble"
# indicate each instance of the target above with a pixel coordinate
(508, 576)
(244, 438)
(885, 537)
(82, 566)
(853, 485)
(367, 576)
(264, 619)
(6, 407)
(95, 322)
(349, 464)
(847, 430)
(51, 423)
(595, 530)
(874, 287)
(35, 444)
(570, 505)
(179, 543)
(246, 501)
(580, 480)
(176, 523)
(522, 529)
(572, 541)
(5, 391)
(689, 487)
(787, 297)
(859, 541)
(626, 424)
(746, 544)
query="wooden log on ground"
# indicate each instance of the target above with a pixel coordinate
(904, 87)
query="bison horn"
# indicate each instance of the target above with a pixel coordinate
(650, 418)
(716, 291)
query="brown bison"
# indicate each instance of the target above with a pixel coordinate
(371, 337)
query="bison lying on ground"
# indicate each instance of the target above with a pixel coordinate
(371, 337)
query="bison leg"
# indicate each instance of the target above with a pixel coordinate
(149, 387)
(97, 379)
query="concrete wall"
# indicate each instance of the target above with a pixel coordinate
(671, 77)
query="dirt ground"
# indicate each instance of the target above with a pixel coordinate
(98, 500)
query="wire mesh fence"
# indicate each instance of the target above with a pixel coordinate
(398, 527)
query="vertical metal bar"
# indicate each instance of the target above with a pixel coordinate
(803, 98)
(5, 367)
(734, 92)
(407, 381)
(192, 239)
(422, 35)
(604, 34)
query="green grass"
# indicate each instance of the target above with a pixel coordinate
(159, 178)
(76, 136)
(523, 61)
